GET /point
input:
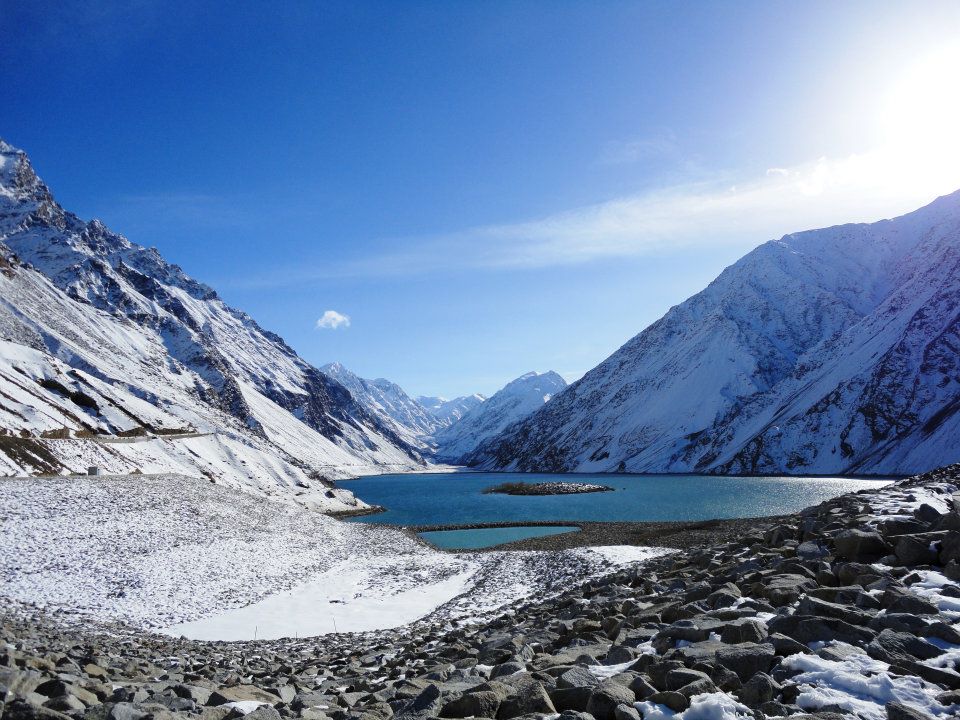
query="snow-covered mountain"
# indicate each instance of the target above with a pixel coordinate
(102, 337)
(446, 412)
(827, 351)
(515, 401)
(388, 401)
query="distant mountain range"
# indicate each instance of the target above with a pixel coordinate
(828, 351)
(446, 430)
(112, 357)
(517, 400)
(448, 412)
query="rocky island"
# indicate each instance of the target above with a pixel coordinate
(546, 488)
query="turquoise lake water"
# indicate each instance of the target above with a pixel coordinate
(472, 539)
(457, 498)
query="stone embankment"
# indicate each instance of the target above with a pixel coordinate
(848, 609)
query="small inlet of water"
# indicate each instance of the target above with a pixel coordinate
(476, 538)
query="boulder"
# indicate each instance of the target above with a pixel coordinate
(809, 605)
(759, 689)
(483, 703)
(860, 545)
(676, 701)
(911, 550)
(575, 698)
(746, 659)
(900, 711)
(809, 628)
(678, 677)
(605, 698)
(529, 696)
(898, 648)
(577, 677)
(745, 630)
(784, 589)
(426, 704)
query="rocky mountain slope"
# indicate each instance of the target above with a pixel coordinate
(101, 338)
(448, 412)
(390, 403)
(827, 351)
(515, 401)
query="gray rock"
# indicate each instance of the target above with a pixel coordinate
(860, 545)
(899, 647)
(746, 659)
(264, 712)
(812, 550)
(426, 704)
(577, 677)
(759, 689)
(605, 698)
(678, 677)
(911, 550)
(745, 630)
(698, 687)
(900, 711)
(676, 701)
(784, 589)
(21, 710)
(507, 668)
(575, 698)
(808, 628)
(625, 712)
(901, 601)
(529, 697)
(641, 687)
(483, 703)
(814, 606)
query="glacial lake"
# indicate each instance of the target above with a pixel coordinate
(457, 498)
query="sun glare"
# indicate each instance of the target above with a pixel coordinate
(921, 119)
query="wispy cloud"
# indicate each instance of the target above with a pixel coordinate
(740, 212)
(331, 320)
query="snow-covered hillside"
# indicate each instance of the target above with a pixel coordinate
(515, 401)
(102, 337)
(827, 351)
(446, 412)
(388, 401)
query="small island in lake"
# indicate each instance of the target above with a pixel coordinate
(546, 488)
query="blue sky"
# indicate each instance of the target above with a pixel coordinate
(481, 188)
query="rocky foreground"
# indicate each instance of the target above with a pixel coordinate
(849, 609)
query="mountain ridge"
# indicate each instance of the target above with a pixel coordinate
(692, 391)
(199, 360)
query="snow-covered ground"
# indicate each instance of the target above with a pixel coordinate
(192, 557)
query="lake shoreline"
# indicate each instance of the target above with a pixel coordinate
(671, 534)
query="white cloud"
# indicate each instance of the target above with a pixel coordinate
(728, 211)
(858, 188)
(331, 320)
